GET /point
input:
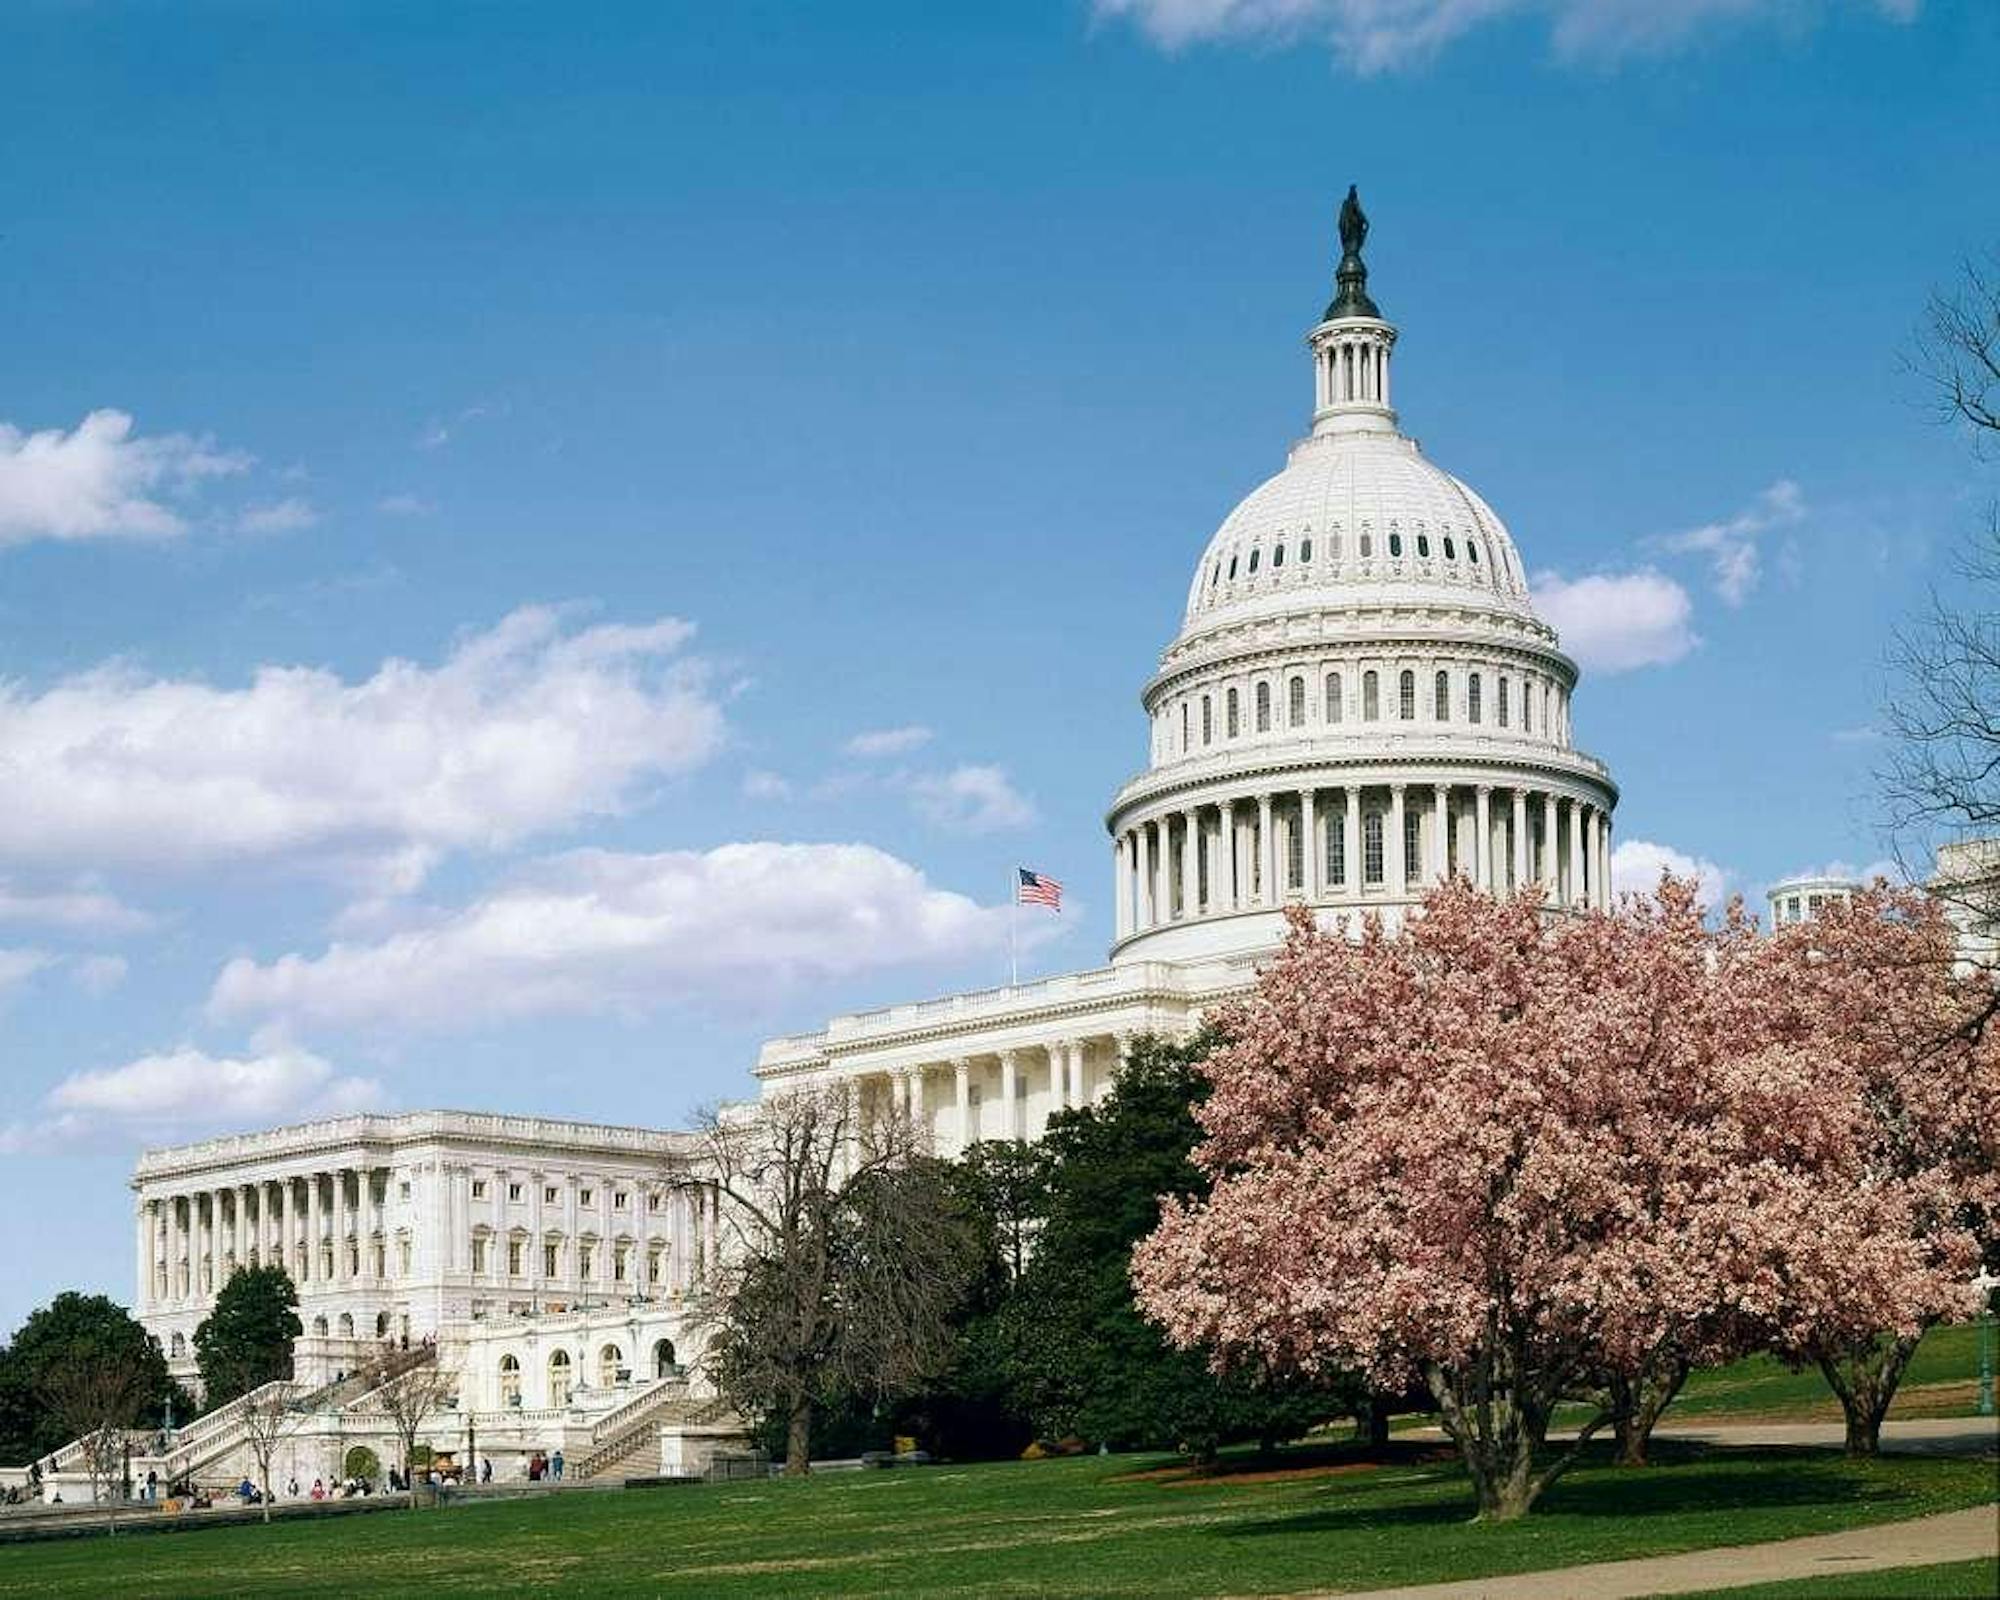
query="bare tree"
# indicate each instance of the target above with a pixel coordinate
(844, 1255)
(410, 1392)
(97, 1397)
(268, 1416)
(1942, 773)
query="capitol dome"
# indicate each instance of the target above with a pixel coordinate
(1360, 700)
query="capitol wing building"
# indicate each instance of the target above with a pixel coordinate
(1359, 702)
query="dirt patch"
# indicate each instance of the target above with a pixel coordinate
(1186, 1477)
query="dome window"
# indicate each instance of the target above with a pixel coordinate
(1207, 720)
(1441, 698)
(1333, 708)
(1500, 702)
(1215, 573)
(1295, 695)
(1472, 698)
(1232, 722)
(1371, 697)
(1254, 554)
(1306, 551)
(1424, 545)
(1449, 553)
(1278, 556)
(1395, 544)
(1367, 546)
(1263, 708)
(1184, 728)
(1232, 569)
(1527, 707)
(1406, 696)
(1472, 552)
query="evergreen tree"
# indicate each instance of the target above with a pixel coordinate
(73, 1329)
(247, 1339)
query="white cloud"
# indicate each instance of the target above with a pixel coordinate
(1373, 35)
(971, 799)
(524, 728)
(1615, 622)
(1636, 865)
(100, 481)
(1735, 562)
(79, 908)
(280, 516)
(595, 931)
(888, 741)
(760, 785)
(98, 974)
(188, 1086)
(18, 966)
(1865, 873)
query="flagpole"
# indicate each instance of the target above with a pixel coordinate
(1013, 914)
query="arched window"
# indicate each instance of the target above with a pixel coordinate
(1263, 708)
(1306, 551)
(1527, 706)
(1472, 698)
(1406, 695)
(1395, 544)
(1232, 720)
(1371, 697)
(1336, 848)
(1500, 702)
(1184, 727)
(178, 1347)
(1232, 569)
(381, 1324)
(1333, 706)
(1295, 694)
(1424, 544)
(609, 1360)
(559, 1379)
(663, 1358)
(1278, 557)
(510, 1380)
(1371, 847)
(1207, 720)
(1449, 553)
(1254, 554)
(1441, 697)
(1472, 552)
(1367, 544)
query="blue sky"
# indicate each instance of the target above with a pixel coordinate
(470, 475)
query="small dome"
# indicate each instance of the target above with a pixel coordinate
(1357, 517)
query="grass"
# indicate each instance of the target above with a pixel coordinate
(1942, 1381)
(1142, 1526)
(1948, 1580)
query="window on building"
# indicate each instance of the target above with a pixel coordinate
(1792, 908)
(620, 1263)
(403, 1190)
(513, 1258)
(1441, 697)
(559, 1376)
(549, 1195)
(1472, 552)
(1333, 706)
(1472, 698)
(1295, 694)
(586, 1258)
(479, 1188)
(1424, 545)
(1207, 720)
(551, 1260)
(1367, 544)
(654, 1264)
(479, 1252)
(1263, 708)
(1278, 557)
(1231, 720)
(1232, 569)
(1527, 705)
(1336, 848)
(1395, 544)
(587, 1197)
(620, 1200)
(1406, 695)
(1371, 847)
(1449, 553)
(1295, 855)
(1371, 697)
(1184, 727)
(653, 1202)
(1500, 702)
(510, 1380)
(513, 1191)
(1413, 832)
(402, 1258)
(1305, 550)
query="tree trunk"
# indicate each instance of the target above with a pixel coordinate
(1371, 1420)
(1637, 1405)
(1864, 1377)
(798, 1440)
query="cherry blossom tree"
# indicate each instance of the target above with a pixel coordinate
(1483, 1152)
(1868, 1090)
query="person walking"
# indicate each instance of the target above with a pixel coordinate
(556, 1464)
(152, 1486)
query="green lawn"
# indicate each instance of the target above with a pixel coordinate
(1100, 1526)
(1941, 1381)
(1948, 1580)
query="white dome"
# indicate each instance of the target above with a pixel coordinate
(1357, 517)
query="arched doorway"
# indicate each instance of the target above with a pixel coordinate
(609, 1360)
(346, 1325)
(510, 1381)
(381, 1324)
(319, 1327)
(559, 1379)
(663, 1358)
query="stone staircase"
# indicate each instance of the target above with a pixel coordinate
(625, 1444)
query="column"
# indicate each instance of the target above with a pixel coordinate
(914, 1095)
(1163, 893)
(535, 1256)
(1190, 865)
(1315, 880)
(315, 1228)
(142, 1301)
(1395, 869)
(1604, 853)
(1010, 1100)
(1520, 837)
(1122, 877)
(1551, 883)
(1352, 877)
(1482, 837)
(1231, 896)
(1058, 1055)
(1573, 885)
(961, 1073)
(1440, 851)
(607, 1243)
(1267, 855)
(1076, 1074)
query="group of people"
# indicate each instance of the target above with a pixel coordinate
(540, 1467)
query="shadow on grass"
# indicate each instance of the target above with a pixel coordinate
(1689, 1483)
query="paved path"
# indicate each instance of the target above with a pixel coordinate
(1923, 1436)
(1922, 1542)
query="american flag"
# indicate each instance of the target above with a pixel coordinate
(1037, 889)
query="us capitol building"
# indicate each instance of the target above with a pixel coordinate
(1360, 700)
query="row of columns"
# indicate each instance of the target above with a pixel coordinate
(321, 1227)
(1219, 857)
(1061, 1067)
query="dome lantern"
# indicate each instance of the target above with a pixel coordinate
(1351, 345)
